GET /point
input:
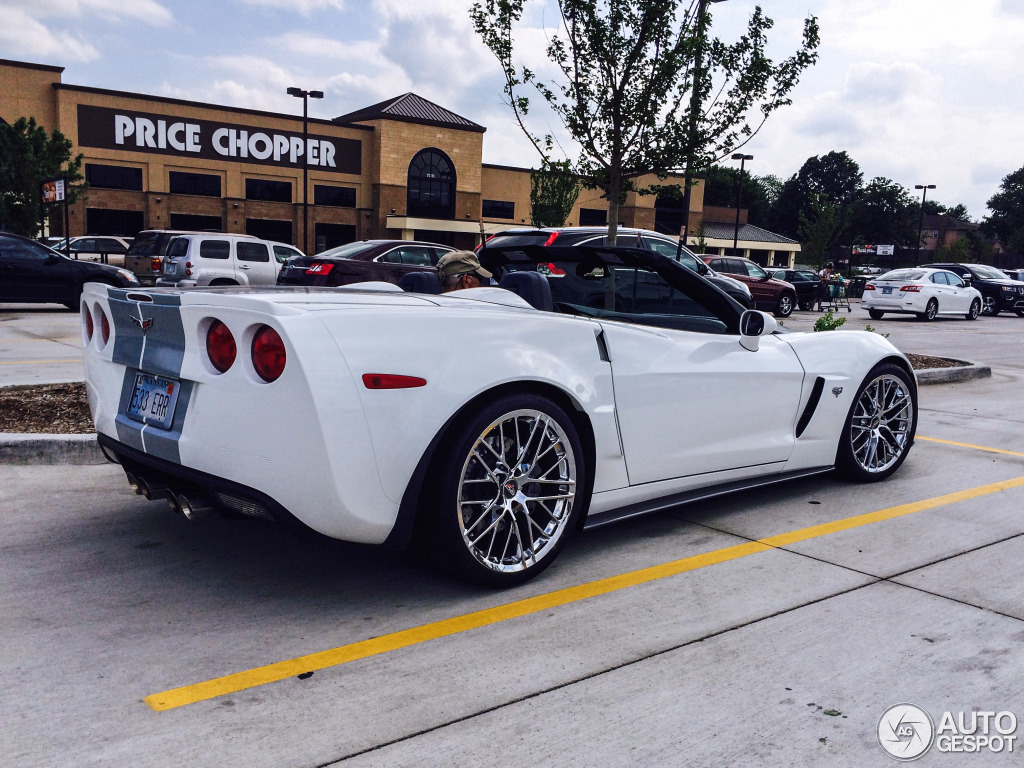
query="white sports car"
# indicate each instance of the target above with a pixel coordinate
(926, 293)
(485, 425)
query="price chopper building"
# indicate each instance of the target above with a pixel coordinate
(404, 168)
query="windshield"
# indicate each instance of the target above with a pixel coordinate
(347, 251)
(986, 273)
(903, 274)
(148, 244)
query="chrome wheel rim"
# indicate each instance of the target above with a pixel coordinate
(990, 304)
(785, 305)
(974, 309)
(516, 491)
(931, 310)
(881, 422)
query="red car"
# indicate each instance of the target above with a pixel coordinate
(770, 295)
(360, 262)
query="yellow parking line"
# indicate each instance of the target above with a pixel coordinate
(281, 670)
(968, 445)
(39, 362)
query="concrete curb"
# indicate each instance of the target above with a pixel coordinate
(964, 372)
(31, 448)
(18, 448)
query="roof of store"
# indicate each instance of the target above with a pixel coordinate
(748, 232)
(410, 108)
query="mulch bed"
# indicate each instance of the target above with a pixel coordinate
(63, 409)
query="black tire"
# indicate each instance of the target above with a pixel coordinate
(1019, 312)
(880, 427)
(876, 314)
(974, 311)
(990, 305)
(931, 310)
(468, 476)
(785, 304)
(806, 305)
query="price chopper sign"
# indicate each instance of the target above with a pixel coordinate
(164, 134)
(51, 192)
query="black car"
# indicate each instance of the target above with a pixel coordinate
(359, 262)
(627, 237)
(31, 272)
(999, 293)
(805, 281)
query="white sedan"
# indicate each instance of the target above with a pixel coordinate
(926, 293)
(484, 425)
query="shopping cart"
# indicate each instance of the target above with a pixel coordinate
(833, 296)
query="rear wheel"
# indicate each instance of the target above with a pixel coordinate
(991, 306)
(806, 304)
(974, 311)
(784, 306)
(880, 426)
(931, 310)
(876, 314)
(506, 494)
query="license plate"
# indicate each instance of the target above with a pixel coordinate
(887, 290)
(153, 400)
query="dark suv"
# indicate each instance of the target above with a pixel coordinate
(998, 292)
(771, 295)
(806, 282)
(627, 237)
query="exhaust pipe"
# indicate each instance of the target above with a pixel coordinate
(195, 506)
(152, 489)
(133, 482)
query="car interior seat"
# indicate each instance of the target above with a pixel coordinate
(420, 282)
(532, 287)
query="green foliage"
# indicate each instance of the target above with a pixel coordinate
(835, 175)
(635, 77)
(721, 184)
(885, 212)
(29, 156)
(818, 228)
(553, 193)
(828, 322)
(960, 250)
(1007, 218)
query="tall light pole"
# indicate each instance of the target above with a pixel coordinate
(693, 117)
(739, 200)
(305, 96)
(920, 227)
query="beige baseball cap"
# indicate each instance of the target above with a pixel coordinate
(458, 263)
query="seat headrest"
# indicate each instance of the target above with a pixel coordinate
(420, 282)
(530, 286)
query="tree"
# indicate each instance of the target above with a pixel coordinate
(1007, 218)
(631, 75)
(819, 226)
(553, 193)
(885, 212)
(721, 184)
(29, 156)
(835, 175)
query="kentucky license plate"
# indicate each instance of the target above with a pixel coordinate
(153, 400)
(887, 290)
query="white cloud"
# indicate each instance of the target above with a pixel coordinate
(148, 11)
(304, 7)
(21, 35)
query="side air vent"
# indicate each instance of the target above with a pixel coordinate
(812, 405)
(139, 297)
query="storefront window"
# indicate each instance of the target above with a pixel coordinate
(431, 186)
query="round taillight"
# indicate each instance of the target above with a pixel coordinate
(268, 356)
(89, 325)
(220, 346)
(104, 327)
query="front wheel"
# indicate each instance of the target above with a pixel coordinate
(806, 305)
(974, 311)
(784, 307)
(931, 310)
(880, 426)
(876, 314)
(507, 492)
(991, 307)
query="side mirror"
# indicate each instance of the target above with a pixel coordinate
(754, 325)
(702, 268)
(52, 258)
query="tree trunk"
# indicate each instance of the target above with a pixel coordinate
(614, 192)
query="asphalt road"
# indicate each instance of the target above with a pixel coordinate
(766, 628)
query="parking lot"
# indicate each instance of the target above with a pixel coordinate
(771, 627)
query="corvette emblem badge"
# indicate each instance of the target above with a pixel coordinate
(837, 391)
(145, 324)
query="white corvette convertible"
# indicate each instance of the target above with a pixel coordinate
(485, 425)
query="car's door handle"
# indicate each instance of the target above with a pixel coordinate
(243, 266)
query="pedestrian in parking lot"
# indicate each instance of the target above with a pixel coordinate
(461, 269)
(823, 276)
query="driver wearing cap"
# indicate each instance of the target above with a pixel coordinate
(461, 269)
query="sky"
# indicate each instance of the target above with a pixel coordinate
(917, 91)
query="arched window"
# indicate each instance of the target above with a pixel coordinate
(431, 186)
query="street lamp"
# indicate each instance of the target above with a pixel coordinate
(739, 200)
(920, 227)
(692, 118)
(299, 93)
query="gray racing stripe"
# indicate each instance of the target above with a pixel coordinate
(162, 443)
(148, 335)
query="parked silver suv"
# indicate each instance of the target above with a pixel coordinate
(219, 259)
